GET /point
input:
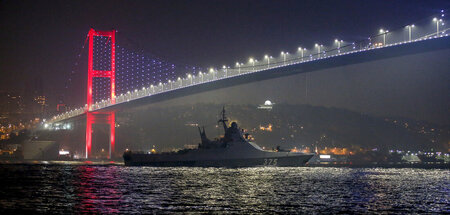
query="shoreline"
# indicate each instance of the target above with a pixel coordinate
(121, 163)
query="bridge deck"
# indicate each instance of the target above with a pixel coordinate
(355, 57)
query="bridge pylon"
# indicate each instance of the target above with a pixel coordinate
(94, 117)
(100, 118)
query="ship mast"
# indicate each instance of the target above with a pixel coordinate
(224, 119)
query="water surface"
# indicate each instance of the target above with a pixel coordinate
(119, 189)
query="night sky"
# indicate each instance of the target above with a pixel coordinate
(43, 38)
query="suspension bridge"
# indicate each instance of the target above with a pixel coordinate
(109, 77)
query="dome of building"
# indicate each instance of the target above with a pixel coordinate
(267, 102)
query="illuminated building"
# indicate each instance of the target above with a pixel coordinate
(266, 106)
(41, 101)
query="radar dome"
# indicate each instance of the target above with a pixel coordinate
(267, 102)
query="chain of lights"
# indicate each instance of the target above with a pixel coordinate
(133, 70)
(101, 62)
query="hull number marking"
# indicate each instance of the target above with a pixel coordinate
(270, 162)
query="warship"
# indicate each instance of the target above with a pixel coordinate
(234, 149)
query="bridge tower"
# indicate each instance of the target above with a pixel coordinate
(104, 117)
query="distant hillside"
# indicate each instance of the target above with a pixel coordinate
(291, 125)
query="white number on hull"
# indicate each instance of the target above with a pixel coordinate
(270, 162)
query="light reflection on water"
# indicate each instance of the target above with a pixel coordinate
(119, 189)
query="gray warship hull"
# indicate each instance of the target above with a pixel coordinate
(237, 154)
(291, 161)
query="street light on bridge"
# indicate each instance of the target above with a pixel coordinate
(384, 35)
(284, 56)
(437, 24)
(239, 67)
(300, 49)
(252, 62)
(128, 96)
(225, 70)
(338, 44)
(409, 30)
(268, 59)
(201, 74)
(211, 70)
(318, 49)
(190, 77)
